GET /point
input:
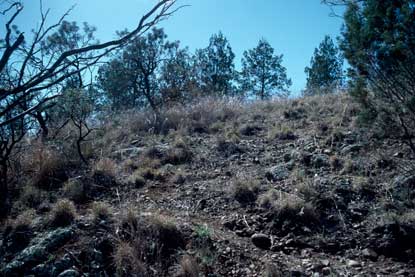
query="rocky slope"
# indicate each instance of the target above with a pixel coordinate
(289, 188)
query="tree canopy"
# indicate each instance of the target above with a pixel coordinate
(263, 74)
(325, 72)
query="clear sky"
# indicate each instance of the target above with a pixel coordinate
(293, 27)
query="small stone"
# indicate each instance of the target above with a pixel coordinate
(277, 173)
(320, 160)
(370, 254)
(261, 241)
(326, 271)
(351, 149)
(325, 262)
(69, 273)
(353, 263)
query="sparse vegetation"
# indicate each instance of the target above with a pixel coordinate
(74, 190)
(101, 211)
(189, 267)
(63, 213)
(245, 191)
(164, 161)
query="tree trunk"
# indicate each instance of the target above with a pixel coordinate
(42, 123)
(79, 149)
(4, 190)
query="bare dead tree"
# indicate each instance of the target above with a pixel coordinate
(333, 4)
(30, 76)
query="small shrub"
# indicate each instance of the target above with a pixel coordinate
(322, 128)
(282, 133)
(179, 153)
(129, 224)
(30, 196)
(294, 113)
(245, 191)
(24, 220)
(101, 211)
(271, 270)
(150, 174)
(249, 129)
(165, 231)
(74, 190)
(307, 191)
(63, 213)
(216, 127)
(145, 161)
(127, 261)
(349, 167)
(228, 147)
(290, 212)
(104, 172)
(203, 244)
(137, 179)
(154, 152)
(336, 163)
(155, 238)
(18, 232)
(49, 167)
(106, 166)
(189, 267)
(267, 199)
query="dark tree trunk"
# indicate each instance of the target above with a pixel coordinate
(42, 123)
(4, 190)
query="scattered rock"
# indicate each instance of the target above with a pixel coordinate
(37, 252)
(261, 241)
(393, 239)
(277, 173)
(351, 149)
(69, 273)
(320, 160)
(326, 271)
(353, 263)
(369, 254)
(249, 130)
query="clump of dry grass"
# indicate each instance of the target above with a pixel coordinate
(127, 261)
(136, 179)
(336, 163)
(106, 167)
(63, 213)
(74, 190)
(250, 129)
(271, 270)
(18, 232)
(153, 238)
(47, 167)
(30, 196)
(245, 191)
(104, 172)
(149, 173)
(282, 132)
(101, 211)
(24, 220)
(289, 208)
(189, 267)
(179, 153)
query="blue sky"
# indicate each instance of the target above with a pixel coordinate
(293, 27)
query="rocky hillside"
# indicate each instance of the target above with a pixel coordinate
(291, 188)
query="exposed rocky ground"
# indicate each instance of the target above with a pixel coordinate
(267, 189)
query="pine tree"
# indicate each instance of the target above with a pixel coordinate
(263, 74)
(325, 73)
(215, 66)
(379, 44)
